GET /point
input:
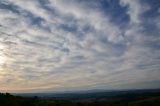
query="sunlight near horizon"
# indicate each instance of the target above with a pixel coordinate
(2, 56)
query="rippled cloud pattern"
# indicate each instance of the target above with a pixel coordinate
(67, 45)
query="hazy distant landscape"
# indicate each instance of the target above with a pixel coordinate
(80, 52)
(100, 98)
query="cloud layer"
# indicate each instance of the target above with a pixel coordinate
(59, 45)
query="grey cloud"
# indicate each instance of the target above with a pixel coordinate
(50, 47)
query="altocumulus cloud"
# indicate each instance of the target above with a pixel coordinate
(59, 45)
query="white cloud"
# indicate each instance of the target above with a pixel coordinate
(74, 44)
(135, 9)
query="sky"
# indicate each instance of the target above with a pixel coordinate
(74, 45)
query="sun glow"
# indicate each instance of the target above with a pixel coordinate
(2, 56)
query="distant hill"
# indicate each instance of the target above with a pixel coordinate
(98, 98)
(91, 94)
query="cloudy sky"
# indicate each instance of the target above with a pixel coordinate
(69, 45)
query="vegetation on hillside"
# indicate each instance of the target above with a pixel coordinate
(7, 99)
